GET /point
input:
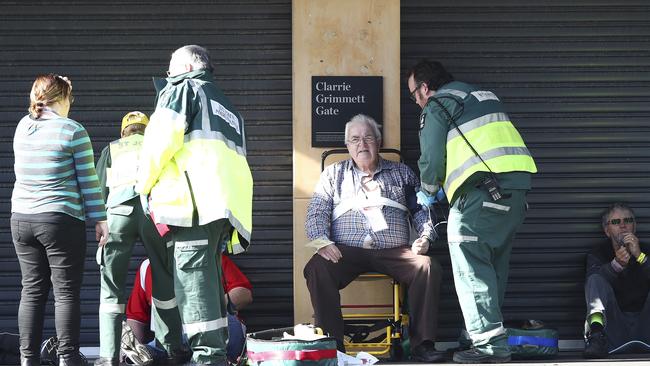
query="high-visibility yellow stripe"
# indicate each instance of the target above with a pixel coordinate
(487, 137)
(500, 164)
(498, 143)
(229, 196)
(476, 123)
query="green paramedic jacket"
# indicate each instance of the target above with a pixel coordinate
(117, 168)
(194, 151)
(446, 158)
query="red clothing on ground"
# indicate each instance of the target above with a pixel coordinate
(139, 305)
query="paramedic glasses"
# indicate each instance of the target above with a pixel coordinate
(412, 94)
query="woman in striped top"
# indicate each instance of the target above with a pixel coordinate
(56, 190)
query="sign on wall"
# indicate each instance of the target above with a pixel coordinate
(336, 99)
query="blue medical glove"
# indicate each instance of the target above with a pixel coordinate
(425, 199)
(440, 196)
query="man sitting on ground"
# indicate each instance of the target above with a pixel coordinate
(617, 289)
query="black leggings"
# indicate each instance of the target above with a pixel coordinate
(50, 255)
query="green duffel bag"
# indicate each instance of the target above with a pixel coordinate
(267, 348)
(533, 343)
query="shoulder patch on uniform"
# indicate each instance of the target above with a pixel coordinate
(423, 116)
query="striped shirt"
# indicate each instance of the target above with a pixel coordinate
(342, 181)
(55, 170)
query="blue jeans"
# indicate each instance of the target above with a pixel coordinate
(50, 255)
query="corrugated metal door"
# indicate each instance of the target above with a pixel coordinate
(575, 77)
(111, 50)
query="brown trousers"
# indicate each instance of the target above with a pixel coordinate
(420, 273)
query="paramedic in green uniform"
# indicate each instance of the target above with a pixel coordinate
(470, 149)
(194, 177)
(116, 168)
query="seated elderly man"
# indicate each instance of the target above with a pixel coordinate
(359, 214)
(618, 286)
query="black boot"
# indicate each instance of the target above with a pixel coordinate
(596, 345)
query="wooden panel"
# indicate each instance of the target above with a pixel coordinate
(336, 38)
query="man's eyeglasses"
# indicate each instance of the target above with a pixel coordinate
(367, 139)
(627, 220)
(412, 94)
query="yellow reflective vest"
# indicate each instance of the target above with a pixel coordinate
(194, 157)
(447, 158)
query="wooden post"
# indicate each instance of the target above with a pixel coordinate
(337, 38)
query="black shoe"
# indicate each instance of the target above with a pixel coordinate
(49, 349)
(475, 356)
(596, 345)
(107, 361)
(426, 352)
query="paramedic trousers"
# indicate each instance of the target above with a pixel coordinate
(480, 234)
(126, 224)
(420, 273)
(199, 288)
(620, 327)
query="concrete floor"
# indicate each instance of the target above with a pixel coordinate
(570, 357)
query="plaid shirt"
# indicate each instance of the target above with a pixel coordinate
(342, 181)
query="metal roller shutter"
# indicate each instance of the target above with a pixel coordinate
(111, 50)
(575, 77)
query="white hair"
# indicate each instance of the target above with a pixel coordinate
(194, 55)
(362, 118)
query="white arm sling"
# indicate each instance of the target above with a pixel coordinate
(361, 203)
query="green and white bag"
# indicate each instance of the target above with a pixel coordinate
(268, 348)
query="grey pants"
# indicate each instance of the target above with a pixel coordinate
(50, 255)
(620, 327)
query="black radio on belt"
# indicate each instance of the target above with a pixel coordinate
(492, 186)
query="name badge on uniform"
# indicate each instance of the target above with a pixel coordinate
(483, 95)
